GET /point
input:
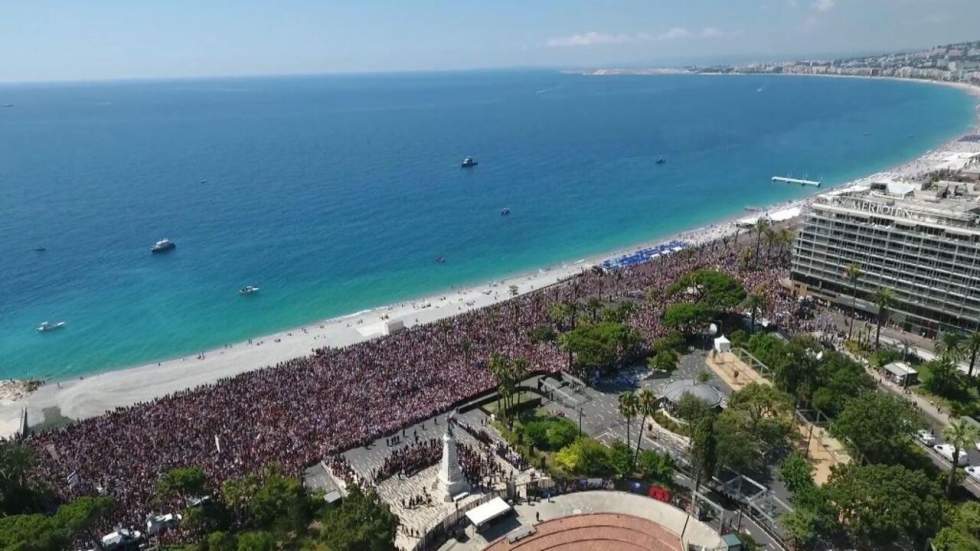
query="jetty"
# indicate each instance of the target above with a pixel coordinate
(787, 180)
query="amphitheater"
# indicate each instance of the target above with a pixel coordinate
(594, 521)
(595, 531)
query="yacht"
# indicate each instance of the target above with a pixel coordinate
(48, 326)
(163, 246)
(248, 290)
(469, 162)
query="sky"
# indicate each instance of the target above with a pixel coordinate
(55, 40)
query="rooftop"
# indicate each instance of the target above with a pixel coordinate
(950, 204)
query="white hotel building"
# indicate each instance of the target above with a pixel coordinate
(922, 245)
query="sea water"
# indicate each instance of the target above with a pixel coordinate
(337, 193)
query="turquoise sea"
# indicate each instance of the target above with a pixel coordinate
(336, 193)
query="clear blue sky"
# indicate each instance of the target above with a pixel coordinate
(100, 39)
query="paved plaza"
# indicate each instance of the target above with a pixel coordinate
(398, 492)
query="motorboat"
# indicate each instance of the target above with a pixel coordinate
(248, 290)
(661, 161)
(440, 260)
(469, 162)
(47, 326)
(163, 245)
(505, 212)
(39, 249)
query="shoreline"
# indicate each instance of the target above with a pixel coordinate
(93, 395)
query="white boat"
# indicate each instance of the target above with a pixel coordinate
(48, 326)
(248, 290)
(163, 246)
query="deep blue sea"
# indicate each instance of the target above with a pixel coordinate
(335, 193)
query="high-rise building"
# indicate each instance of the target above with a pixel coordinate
(922, 245)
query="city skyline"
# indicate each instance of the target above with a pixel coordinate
(61, 41)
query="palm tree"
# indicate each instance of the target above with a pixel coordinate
(973, 345)
(853, 274)
(754, 302)
(594, 305)
(883, 300)
(950, 346)
(760, 228)
(646, 407)
(959, 435)
(628, 404)
(786, 237)
(772, 237)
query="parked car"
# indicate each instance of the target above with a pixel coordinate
(946, 450)
(926, 437)
(974, 472)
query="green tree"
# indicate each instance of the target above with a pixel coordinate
(655, 467)
(883, 301)
(704, 450)
(691, 408)
(664, 361)
(586, 457)
(950, 346)
(182, 482)
(600, 346)
(267, 501)
(757, 422)
(943, 378)
(593, 305)
(362, 522)
(960, 435)
(621, 458)
(797, 473)
(962, 532)
(564, 315)
(754, 302)
(760, 227)
(646, 406)
(17, 495)
(880, 505)
(628, 408)
(256, 541)
(713, 290)
(853, 275)
(38, 532)
(878, 426)
(687, 318)
(973, 345)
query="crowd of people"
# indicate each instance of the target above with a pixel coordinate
(407, 461)
(303, 410)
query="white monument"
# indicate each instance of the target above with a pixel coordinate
(450, 481)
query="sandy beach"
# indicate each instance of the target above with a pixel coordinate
(91, 396)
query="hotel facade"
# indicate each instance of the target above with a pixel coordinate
(923, 245)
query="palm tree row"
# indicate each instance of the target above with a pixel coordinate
(643, 403)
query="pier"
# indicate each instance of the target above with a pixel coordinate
(786, 180)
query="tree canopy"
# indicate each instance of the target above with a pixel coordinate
(757, 422)
(879, 426)
(882, 504)
(711, 289)
(602, 345)
(361, 523)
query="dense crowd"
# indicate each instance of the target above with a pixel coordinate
(301, 411)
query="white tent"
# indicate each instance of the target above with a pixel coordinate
(394, 326)
(723, 345)
(495, 508)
